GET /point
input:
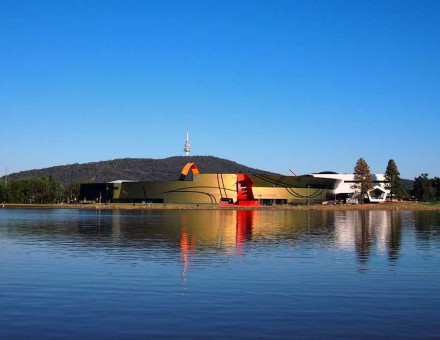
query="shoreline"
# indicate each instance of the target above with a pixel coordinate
(161, 206)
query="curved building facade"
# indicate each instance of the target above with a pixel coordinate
(241, 189)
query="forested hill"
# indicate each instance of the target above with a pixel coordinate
(142, 169)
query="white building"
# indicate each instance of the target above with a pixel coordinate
(344, 188)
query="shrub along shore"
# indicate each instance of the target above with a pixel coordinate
(167, 206)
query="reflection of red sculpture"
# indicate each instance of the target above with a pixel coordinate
(187, 243)
(245, 195)
(244, 226)
(187, 247)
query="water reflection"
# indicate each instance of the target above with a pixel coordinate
(219, 274)
(363, 230)
(426, 225)
(193, 235)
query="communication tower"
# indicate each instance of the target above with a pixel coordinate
(187, 148)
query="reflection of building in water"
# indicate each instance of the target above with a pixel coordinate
(380, 222)
(195, 235)
(354, 231)
(244, 226)
(187, 246)
(227, 232)
(359, 229)
(116, 225)
(344, 230)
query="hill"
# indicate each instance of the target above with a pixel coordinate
(142, 169)
(408, 182)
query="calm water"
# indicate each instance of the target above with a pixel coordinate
(219, 274)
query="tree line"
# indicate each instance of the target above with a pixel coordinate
(38, 190)
(424, 189)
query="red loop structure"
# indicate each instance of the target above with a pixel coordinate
(186, 169)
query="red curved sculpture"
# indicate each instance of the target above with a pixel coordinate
(186, 169)
(245, 196)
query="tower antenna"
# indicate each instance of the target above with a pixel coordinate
(187, 148)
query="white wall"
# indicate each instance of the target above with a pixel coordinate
(347, 180)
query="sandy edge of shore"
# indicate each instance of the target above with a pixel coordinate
(166, 206)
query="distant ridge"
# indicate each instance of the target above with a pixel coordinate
(141, 169)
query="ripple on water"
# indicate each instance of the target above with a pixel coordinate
(219, 274)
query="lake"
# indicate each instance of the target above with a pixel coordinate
(219, 274)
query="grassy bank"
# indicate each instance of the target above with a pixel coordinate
(167, 206)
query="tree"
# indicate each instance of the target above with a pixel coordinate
(71, 193)
(423, 190)
(362, 177)
(34, 190)
(392, 177)
(3, 191)
(407, 192)
(435, 183)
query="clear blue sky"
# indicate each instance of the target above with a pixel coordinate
(307, 85)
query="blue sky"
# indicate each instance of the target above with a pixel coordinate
(307, 85)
